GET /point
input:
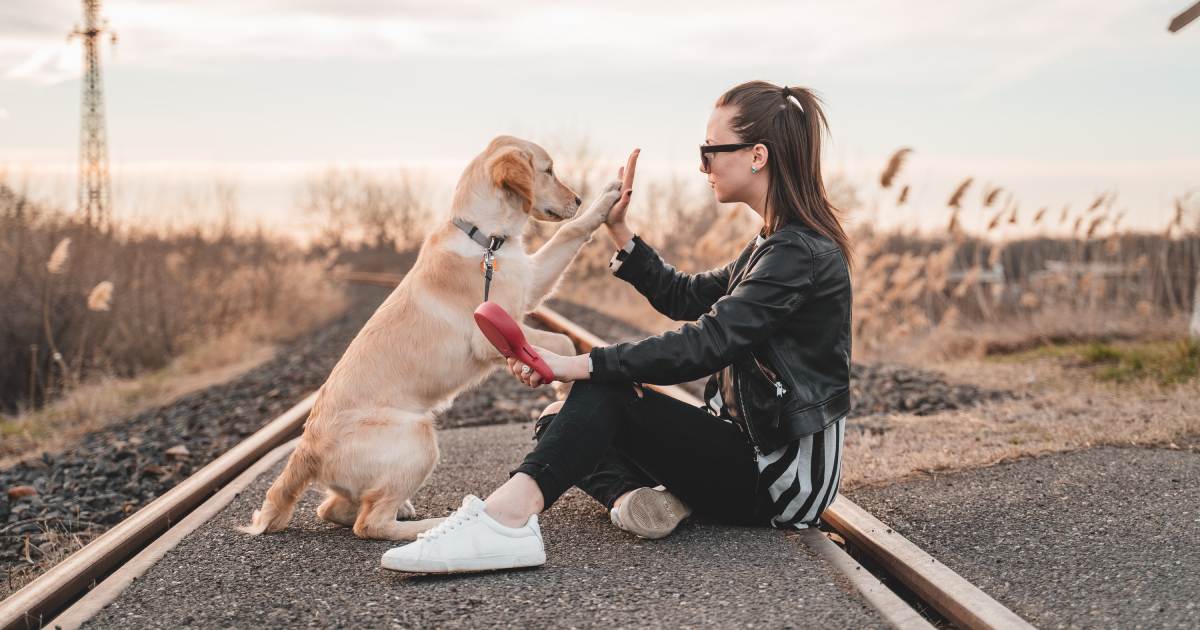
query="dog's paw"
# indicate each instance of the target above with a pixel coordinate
(407, 511)
(597, 212)
(257, 525)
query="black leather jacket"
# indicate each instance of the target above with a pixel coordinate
(772, 328)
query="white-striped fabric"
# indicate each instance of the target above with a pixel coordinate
(801, 478)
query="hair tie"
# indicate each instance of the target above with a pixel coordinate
(787, 93)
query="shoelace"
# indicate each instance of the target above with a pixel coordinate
(459, 517)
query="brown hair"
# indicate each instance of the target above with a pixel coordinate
(795, 190)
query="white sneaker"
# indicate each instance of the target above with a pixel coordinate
(469, 540)
(650, 513)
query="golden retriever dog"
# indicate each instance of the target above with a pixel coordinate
(369, 440)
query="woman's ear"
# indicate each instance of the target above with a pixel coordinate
(512, 169)
(760, 155)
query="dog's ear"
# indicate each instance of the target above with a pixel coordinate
(512, 170)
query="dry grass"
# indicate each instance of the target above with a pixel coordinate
(83, 304)
(1065, 408)
(40, 558)
(952, 341)
(946, 295)
(895, 163)
(1065, 405)
(94, 404)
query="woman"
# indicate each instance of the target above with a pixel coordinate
(772, 328)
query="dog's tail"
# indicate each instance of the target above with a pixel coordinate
(281, 499)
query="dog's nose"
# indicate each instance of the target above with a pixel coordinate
(578, 201)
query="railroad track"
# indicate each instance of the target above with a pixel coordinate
(79, 586)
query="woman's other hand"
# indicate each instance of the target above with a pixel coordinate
(617, 228)
(566, 369)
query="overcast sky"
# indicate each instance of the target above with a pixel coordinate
(1057, 100)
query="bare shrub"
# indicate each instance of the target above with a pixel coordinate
(355, 208)
(80, 301)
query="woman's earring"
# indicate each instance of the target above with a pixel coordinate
(753, 169)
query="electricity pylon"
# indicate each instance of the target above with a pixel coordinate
(95, 197)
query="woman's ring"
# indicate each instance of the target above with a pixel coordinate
(525, 369)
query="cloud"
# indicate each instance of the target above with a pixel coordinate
(632, 32)
(22, 18)
(48, 65)
(1052, 31)
(973, 48)
(3, 114)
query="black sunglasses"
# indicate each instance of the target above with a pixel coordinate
(705, 149)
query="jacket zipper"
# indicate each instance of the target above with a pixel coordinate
(737, 383)
(785, 373)
(737, 386)
(780, 390)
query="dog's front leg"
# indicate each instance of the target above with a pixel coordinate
(482, 350)
(552, 259)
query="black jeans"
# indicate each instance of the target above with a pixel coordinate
(608, 440)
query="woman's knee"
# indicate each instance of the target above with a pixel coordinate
(551, 408)
(546, 418)
(587, 395)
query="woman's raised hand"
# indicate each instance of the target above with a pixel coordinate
(616, 216)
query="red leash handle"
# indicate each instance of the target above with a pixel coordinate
(503, 331)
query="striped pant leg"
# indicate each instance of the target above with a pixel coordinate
(802, 478)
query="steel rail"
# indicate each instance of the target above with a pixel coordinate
(38, 602)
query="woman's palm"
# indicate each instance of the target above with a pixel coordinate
(616, 216)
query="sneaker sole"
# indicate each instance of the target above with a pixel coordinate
(466, 565)
(652, 514)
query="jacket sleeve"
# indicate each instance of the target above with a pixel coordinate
(678, 295)
(775, 285)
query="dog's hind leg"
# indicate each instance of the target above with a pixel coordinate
(401, 476)
(377, 519)
(281, 499)
(338, 510)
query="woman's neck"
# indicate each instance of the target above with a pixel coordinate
(760, 209)
(757, 200)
